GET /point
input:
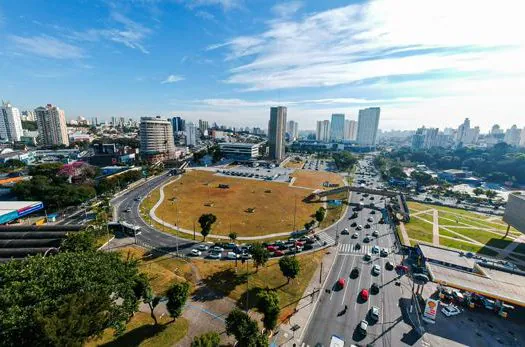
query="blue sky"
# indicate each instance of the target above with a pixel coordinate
(431, 63)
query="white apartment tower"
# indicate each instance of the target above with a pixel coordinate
(323, 131)
(51, 122)
(350, 130)
(292, 128)
(337, 127)
(191, 134)
(276, 131)
(367, 126)
(10, 123)
(513, 136)
(156, 139)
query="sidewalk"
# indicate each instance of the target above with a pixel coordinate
(291, 332)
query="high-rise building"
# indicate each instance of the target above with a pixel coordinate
(337, 127)
(178, 124)
(94, 121)
(322, 133)
(276, 131)
(203, 126)
(28, 116)
(156, 139)
(496, 130)
(350, 130)
(51, 122)
(10, 123)
(114, 121)
(191, 134)
(513, 136)
(367, 126)
(463, 132)
(522, 138)
(425, 138)
(292, 128)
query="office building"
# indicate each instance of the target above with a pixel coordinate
(240, 151)
(276, 131)
(94, 121)
(337, 127)
(203, 126)
(425, 138)
(51, 122)
(10, 123)
(466, 135)
(350, 130)
(512, 136)
(178, 124)
(191, 134)
(322, 133)
(292, 128)
(156, 139)
(367, 126)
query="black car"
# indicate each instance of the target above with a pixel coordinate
(373, 212)
(353, 225)
(354, 273)
(357, 246)
(367, 226)
(374, 288)
(308, 246)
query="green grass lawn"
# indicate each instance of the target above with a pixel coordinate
(483, 237)
(447, 233)
(420, 230)
(467, 247)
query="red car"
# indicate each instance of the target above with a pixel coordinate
(299, 243)
(272, 248)
(341, 283)
(364, 294)
(402, 268)
(278, 253)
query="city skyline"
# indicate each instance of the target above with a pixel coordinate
(131, 60)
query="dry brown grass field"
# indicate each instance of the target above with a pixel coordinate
(315, 179)
(273, 203)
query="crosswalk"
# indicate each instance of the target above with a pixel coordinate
(324, 237)
(350, 248)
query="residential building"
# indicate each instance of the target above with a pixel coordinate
(323, 131)
(496, 130)
(156, 139)
(178, 124)
(241, 151)
(337, 127)
(522, 138)
(367, 126)
(276, 131)
(292, 128)
(191, 134)
(51, 122)
(203, 127)
(28, 116)
(425, 138)
(513, 136)
(94, 121)
(350, 130)
(10, 123)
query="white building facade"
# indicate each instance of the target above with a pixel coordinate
(51, 122)
(10, 123)
(367, 126)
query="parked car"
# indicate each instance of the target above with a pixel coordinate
(278, 253)
(215, 255)
(217, 249)
(202, 247)
(450, 310)
(195, 253)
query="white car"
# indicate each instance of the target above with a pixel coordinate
(374, 313)
(215, 255)
(196, 252)
(375, 233)
(231, 255)
(217, 249)
(370, 219)
(355, 235)
(450, 311)
(376, 270)
(203, 247)
(359, 227)
(375, 249)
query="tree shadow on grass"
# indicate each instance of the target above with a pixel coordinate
(248, 299)
(136, 336)
(219, 285)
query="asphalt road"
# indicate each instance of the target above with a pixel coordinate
(330, 317)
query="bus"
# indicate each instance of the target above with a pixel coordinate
(127, 228)
(336, 341)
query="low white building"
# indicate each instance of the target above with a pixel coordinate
(244, 151)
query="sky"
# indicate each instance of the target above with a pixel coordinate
(429, 63)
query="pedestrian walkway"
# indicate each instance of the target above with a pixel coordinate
(352, 248)
(512, 246)
(324, 237)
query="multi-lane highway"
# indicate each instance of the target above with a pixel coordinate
(330, 317)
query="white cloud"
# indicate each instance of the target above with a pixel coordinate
(377, 39)
(225, 4)
(286, 9)
(46, 46)
(172, 79)
(130, 33)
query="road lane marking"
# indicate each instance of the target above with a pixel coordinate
(346, 289)
(359, 284)
(339, 274)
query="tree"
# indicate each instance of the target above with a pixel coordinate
(260, 255)
(320, 214)
(490, 194)
(211, 339)
(422, 178)
(478, 191)
(240, 325)
(397, 172)
(309, 225)
(206, 221)
(81, 241)
(232, 236)
(268, 303)
(29, 125)
(177, 296)
(289, 266)
(71, 296)
(344, 160)
(143, 290)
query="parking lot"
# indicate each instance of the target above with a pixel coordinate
(275, 174)
(319, 164)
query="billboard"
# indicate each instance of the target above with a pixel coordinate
(514, 212)
(431, 307)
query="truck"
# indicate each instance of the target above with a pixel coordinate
(336, 341)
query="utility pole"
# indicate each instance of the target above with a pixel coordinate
(295, 211)
(321, 274)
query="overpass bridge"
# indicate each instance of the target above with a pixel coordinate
(404, 214)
